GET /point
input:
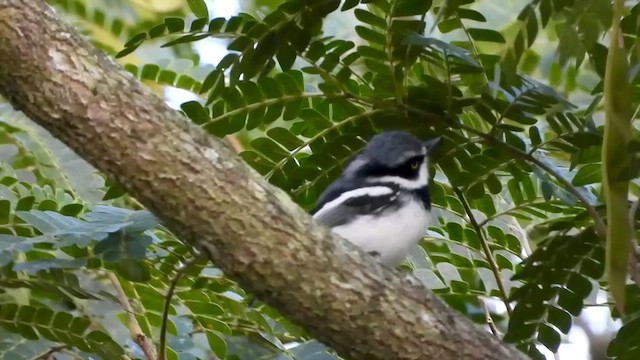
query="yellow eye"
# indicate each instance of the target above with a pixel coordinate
(415, 164)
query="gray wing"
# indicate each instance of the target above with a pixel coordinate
(357, 202)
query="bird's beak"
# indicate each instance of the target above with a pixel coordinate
(431, 144)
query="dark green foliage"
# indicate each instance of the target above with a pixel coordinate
(625, 345)
(302, 99)
(33, 323)
(557, 278)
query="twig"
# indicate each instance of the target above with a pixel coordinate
(135, 330)
(322, 133)
(167, 304)
(489, 319)
(388, 47)
(485, 248)
(599, 226)
(52, 350)
(604, 304)
(235, 143)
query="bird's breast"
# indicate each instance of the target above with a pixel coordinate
(392, 234)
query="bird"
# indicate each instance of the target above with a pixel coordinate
(381, 202)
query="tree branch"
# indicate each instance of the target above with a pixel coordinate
(485, 248)
(167, 304)
(203, 193)
(137, 335)
(47, 355)
(599, 225)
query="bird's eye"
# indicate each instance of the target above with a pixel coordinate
(415, 164)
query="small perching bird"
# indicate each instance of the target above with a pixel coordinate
(381, 201)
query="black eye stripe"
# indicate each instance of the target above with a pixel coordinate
(404, 170)
(417, 159)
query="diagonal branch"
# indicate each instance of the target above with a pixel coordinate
(167, 304)
(599, 225)
(485, 247)
(135, 330)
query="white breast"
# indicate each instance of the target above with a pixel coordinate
(392, 236)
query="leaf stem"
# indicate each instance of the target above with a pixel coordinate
(389, 50)
(264, 103)
(485, 247)
(599, 225)
(508, 211)
(167, 304)
(135, 330)
(49, 353)
(489, 319)
(322, 133)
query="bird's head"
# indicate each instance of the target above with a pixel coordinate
(394, 157)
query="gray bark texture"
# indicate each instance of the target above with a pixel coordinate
(203, 192)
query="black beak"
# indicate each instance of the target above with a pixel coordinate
(432, 144)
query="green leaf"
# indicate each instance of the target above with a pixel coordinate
(549, 337)
(174, 24)
(486, 35)
(410, 7)
(285, 138)
(133, 270)
(315, 119)
(349, 4)
(195, 112)
(470, 14)
(587, 174)
(34, 322)
(217, 344)
(5, 211)
(199, 8)
(370, 35)
(269, 148)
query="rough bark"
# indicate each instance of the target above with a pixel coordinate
(209, 198)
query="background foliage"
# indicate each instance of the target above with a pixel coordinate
(515, 89)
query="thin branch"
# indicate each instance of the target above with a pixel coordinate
(506, 212)
(607, 304)
(489, 319)
(167, 304)
(264, 104)
(485, 247)
(322, 133)
(52, 350)
(388, 46)
(483, 176)
(599, 226)
(235, 143)
(474, 48)
(135, 330)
